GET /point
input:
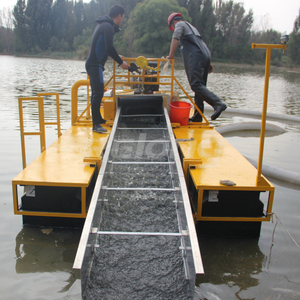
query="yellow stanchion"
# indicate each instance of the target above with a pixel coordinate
(268, 48)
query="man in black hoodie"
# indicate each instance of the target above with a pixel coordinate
(101, 47)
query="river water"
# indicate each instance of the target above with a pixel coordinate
(37, 263)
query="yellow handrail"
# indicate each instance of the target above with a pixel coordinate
(42, 123)
(74, 96)
(88, 104)
(41, 131)
(158, 76)
(124, 79)
(57, 112)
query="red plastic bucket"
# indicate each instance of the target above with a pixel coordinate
(180, 112)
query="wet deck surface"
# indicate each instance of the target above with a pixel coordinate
(62, 163)
(219, 159)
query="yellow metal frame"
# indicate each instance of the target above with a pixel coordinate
(41, 131)
(124, 79)
(42, 123)
(19, 181)
(159, 81)
(269, 188)
(49, 214)
(74, 103)
(187, 163)
(57, 123)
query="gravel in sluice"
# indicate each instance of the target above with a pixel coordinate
(135, 267)
(141, 211)
(142, 122)
(139, 176)
(140, 134)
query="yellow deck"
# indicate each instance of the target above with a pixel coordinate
(215, 159)
(69, 162)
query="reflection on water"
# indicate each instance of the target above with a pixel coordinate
(46, 250)
(237, 272)
(243, 87)
(37, 265)
(25, 77)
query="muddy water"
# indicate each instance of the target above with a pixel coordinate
(38, 265)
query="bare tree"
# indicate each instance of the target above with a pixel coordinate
(6, 18)
(6, 31)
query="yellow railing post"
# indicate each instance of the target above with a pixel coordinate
(88, 113)
(197, 108)
(22, 132)
(114, 84)
(42, 124)
(173, 76)
(268, 48)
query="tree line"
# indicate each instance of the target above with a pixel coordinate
(37, 26)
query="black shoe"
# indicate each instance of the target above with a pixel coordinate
(99, 129)
(196, 117)
(102, 121)
(218, 111)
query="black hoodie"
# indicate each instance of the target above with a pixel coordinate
(102, 44)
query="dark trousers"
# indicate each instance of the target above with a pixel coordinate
(197, 68)
(97, 85)
(196, 57)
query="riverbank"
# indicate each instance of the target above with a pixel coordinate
(178, 60)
